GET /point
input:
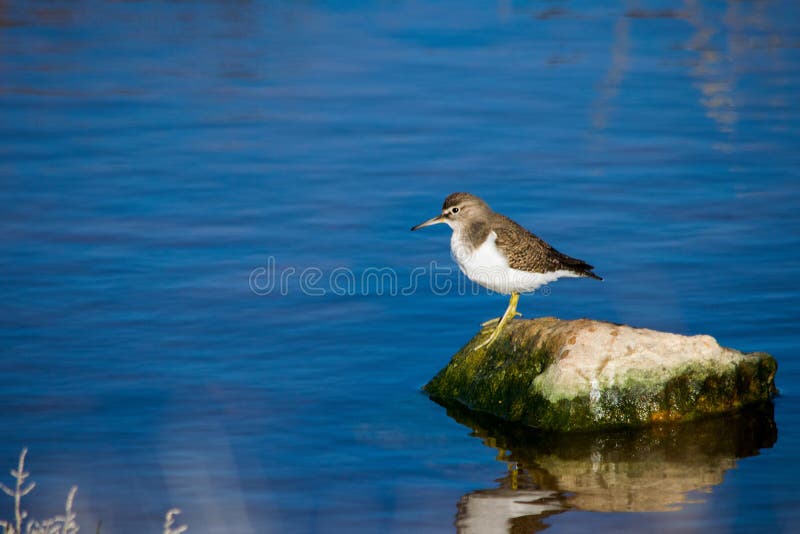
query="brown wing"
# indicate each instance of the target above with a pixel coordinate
(527, 252)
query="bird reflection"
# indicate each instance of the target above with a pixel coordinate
(516, 506)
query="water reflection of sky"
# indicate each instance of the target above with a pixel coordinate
(153, 154)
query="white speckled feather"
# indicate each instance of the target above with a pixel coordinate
(487, 266)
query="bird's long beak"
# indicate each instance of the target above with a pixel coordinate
(436, 220)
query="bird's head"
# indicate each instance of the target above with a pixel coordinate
(458, 209)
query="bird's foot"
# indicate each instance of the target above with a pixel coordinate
(496, 320)
(488, 341)
(501, 323)
(510, 313)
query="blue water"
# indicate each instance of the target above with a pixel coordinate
(155, 156)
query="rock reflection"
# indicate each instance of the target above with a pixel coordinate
(657, 469)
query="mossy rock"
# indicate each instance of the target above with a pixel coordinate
(585, 375)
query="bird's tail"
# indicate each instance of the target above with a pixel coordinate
(579, 267)
(590, 274)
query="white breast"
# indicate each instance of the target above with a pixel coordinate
(486, 266)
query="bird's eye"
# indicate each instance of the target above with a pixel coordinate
(455, 210)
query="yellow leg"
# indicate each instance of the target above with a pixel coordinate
(510, 313)
(514, 475)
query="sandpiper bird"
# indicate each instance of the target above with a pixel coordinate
(499, 254)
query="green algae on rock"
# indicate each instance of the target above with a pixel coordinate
(585, 375)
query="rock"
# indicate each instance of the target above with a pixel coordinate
(585, 375)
